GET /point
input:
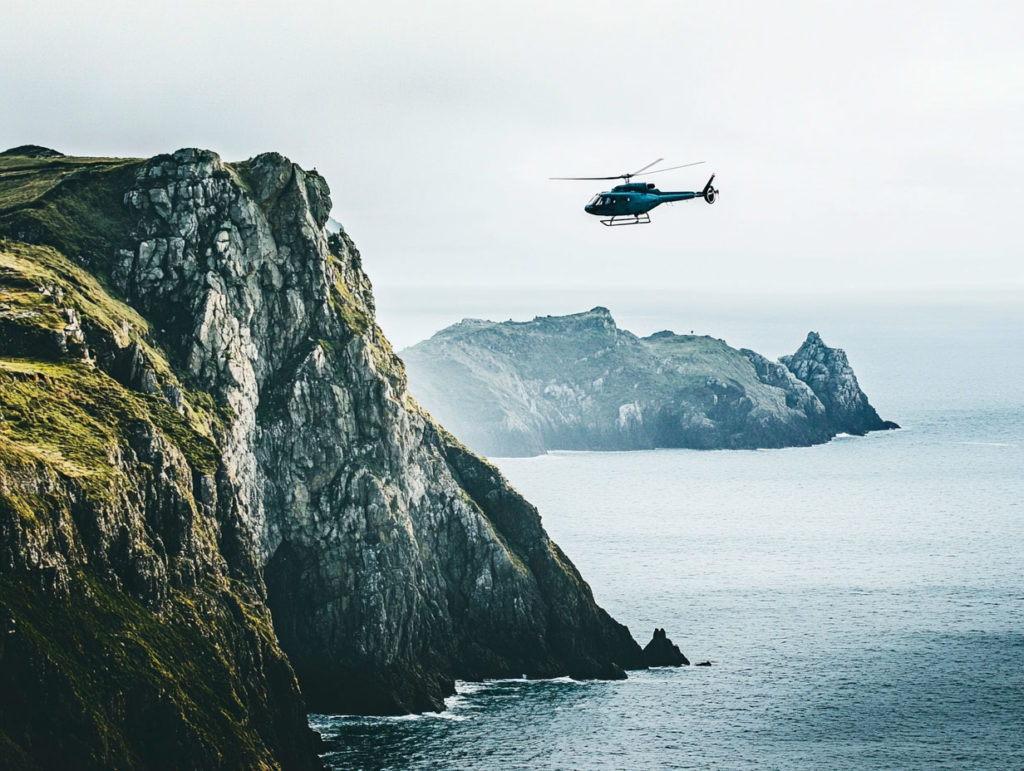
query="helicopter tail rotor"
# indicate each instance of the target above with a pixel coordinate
(709, 193)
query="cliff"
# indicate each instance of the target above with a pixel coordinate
(216, 489)
(579, 382)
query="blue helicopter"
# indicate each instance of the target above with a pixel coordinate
(629, 203)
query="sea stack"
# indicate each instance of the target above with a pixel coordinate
(661, 652)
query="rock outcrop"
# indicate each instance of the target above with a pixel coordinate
(579, 382)
(830, 376)
(31, 151)
(662, 652)
(242, 448)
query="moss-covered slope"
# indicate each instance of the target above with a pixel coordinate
(133, 627)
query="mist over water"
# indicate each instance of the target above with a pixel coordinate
(952, 350)
(862, 602)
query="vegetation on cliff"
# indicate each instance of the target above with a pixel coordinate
(132, 635)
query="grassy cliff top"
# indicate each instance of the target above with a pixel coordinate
(73, 204)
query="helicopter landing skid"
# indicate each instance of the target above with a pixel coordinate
(628, 219)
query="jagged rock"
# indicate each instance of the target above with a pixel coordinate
(828, 373)
(579, 382)
(661, 652)
(394, 559)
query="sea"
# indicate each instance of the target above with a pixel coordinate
(861, 602)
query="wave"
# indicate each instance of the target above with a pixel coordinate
(473, 686)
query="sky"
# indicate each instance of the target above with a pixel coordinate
(860, 147)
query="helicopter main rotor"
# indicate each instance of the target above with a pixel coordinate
(629, 175)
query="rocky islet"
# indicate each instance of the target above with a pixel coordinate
(662, 652)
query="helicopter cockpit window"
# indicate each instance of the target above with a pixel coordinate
(595, 200)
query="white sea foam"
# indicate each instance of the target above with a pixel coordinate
(517, 680)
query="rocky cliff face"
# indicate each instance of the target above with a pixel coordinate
(134, 630)
(394, 560)
(579, 383)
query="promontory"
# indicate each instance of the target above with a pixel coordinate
(579, 382)
(220, 506)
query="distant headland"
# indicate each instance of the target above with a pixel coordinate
(579, 382)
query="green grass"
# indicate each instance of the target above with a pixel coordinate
(73, 204)
(73, 416)
(67, 406)
(344, 302)
(24, 268)
(25, 179)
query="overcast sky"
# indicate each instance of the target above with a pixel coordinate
(858, 145)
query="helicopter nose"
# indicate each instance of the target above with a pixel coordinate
(588, 209)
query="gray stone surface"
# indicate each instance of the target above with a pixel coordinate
(395, 561)
(829, 375)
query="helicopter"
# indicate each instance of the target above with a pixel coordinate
(631, 202)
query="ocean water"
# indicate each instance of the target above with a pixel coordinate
(861, 602)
